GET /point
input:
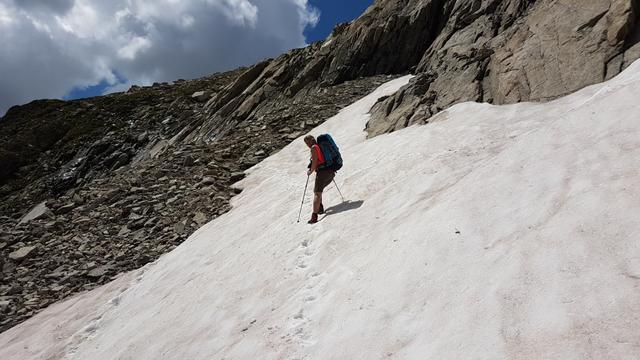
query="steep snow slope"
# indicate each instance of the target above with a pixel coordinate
(501, 233)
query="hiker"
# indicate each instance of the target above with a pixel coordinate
(324, 176)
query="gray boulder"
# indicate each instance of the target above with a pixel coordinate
(201, 96)
(22, 253)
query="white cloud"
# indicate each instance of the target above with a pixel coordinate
(50, 47)
(5, 16)
(130, 50)
(242, 12)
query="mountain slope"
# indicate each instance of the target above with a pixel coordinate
(111, 170)
(502, 232)
(130, 189)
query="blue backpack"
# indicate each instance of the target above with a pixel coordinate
(331, 153)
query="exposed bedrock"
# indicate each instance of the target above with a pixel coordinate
(511, 51)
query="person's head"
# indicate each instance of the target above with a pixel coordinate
(309, 140)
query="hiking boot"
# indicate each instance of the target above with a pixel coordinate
(314, 219)
(321, 211)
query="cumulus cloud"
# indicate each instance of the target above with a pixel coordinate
(49, 47)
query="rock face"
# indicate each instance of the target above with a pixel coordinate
(123, 178)
(510, 51)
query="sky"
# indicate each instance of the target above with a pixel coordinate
(71, 49)
(333, 12)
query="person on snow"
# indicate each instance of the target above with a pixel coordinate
(324, 177)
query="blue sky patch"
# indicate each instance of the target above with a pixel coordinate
(333, 12)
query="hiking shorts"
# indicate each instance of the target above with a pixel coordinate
(323, 178)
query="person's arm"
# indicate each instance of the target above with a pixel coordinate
(314, 161)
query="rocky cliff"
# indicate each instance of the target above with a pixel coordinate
(510, 51)
(123, 178)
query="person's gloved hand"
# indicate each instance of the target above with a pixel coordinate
(309, 172)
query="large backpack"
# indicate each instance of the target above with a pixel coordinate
(331, 153)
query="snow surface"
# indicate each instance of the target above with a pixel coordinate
(505, 232)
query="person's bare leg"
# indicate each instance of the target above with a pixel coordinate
(317, 200)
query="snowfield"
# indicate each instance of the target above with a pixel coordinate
(494, 232)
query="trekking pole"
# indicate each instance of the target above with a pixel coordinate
(340, 192)
(303, 195)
